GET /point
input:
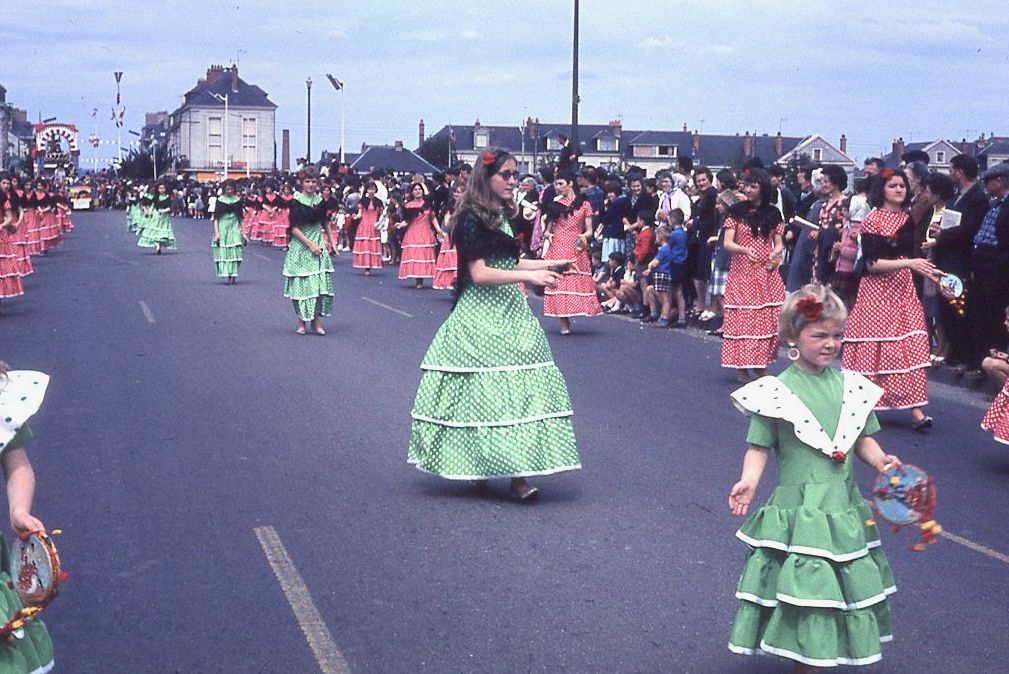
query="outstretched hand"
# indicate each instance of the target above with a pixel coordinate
(544, 277)
(740, 497)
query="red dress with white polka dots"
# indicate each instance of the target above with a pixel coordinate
(575, 292)
(754, 294)
(885, 339)
(996, 419)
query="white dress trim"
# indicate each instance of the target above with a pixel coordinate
(491, 424)
(770, 397)
(806, 550)
(500, 368)
(21, 396)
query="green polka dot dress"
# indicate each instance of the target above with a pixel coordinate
(308, 278)
(31, 649)
(491, 401)
(228, 251)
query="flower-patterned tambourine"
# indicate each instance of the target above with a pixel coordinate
(905, 495)
(952, 288)
(36, 574)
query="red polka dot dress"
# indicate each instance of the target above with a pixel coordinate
(368, 242)
(996, 419)
(419, 243)
(446, 268)
(885, 339)
(575, 292)
(10, 269)
(754, 294)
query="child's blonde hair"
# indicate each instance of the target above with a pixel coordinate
(801, 307)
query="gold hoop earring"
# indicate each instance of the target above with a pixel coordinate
(792, 353)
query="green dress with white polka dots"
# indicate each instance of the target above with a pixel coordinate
(228, 250)
(491, 401)
(308, 278)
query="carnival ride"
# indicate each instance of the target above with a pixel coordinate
(48, 152)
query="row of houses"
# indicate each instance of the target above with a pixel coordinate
(16, 134)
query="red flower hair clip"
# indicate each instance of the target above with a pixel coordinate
(886, 174)
(810, 307)
(487, 158)
(839, 457)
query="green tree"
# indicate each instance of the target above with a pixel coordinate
(436, 151)
(138, 164)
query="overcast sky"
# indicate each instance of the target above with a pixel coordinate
(919, 70)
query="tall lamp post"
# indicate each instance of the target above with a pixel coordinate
(338, 85)
(308, 151)
(575, 147)
(226, 120)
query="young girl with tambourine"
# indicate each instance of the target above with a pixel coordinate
(815, 583)
(25, 645)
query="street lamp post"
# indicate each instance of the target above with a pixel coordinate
(225, 121)
(308, 150)
(338, 85)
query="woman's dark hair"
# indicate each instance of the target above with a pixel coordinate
(613, 186)
(836, 175)
(228, 183)
(726, 180)
(878, 183)
(565, 174)
(764, 217)
(940, 185)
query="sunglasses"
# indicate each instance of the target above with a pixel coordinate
(508, 175)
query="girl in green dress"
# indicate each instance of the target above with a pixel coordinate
(21, 394)
(491, 402)
(815, 584)
(228, 235)
(308, 269)
(157, 232)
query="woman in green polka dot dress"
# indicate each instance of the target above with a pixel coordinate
(228, 235)
(491, 402)
(21, 394)
(308, 269)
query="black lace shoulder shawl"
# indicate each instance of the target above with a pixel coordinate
(476, 241)
(879, 247)
(303, 215)
(225, 207)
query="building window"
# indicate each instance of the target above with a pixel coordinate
(249, 140)
(817, 154)
(607, 145)
(553, 143)
(940, 157)
(481, 139)
(215, 144)
(645, 151)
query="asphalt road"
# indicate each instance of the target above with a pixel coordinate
(184, 416)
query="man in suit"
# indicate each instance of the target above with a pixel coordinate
(989, 288)
(954, 246)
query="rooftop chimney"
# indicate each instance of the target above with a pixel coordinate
(616, 126)
(747, 145)
(234, 78)
(963, 146)
(420, 133)
(844, 143)
(779, 145)
(214, 73)
(684, 127)
(398, 146)
(898, 147)
(697, 142)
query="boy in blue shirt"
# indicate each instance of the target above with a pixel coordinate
(667, 271)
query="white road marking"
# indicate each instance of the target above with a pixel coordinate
(148, 314)
(976, 547)
(387, 307)
(319, 639)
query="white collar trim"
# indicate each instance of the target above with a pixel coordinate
(21, 394)
(770, 397)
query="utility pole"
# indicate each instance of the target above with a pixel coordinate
(308, 151)
(575, 146)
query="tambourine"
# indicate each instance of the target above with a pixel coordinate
(952, 288)
(36, 571)
(905, 495)
(36, 574)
